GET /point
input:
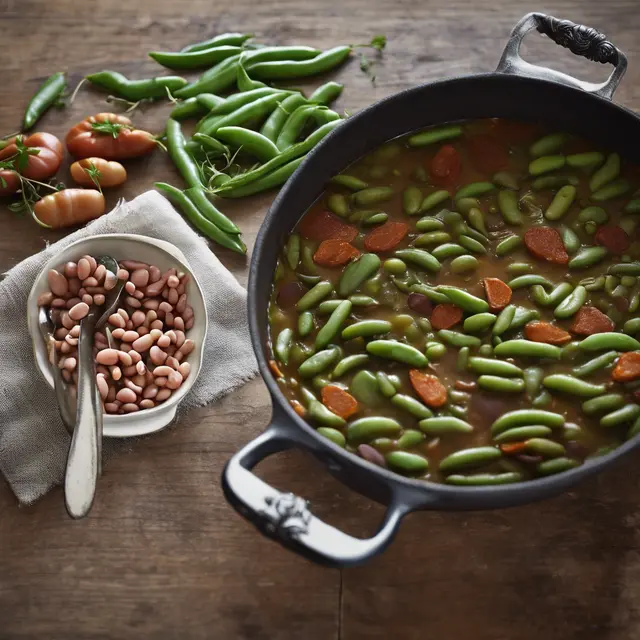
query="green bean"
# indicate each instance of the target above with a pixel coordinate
(508, 245)
(347, 364)
(372, 195)
(587, 257)
(397, 351)
(609, 171)
(572, 303)
(283, 345)
(587, 160)
(506, 180)
(362, 301)
(484, 479)
(614, 189)
(394, 266)
(486, 366)
(411, 405)
(433, 200)
(273, 125)
(556, 465)
(574, 386)
(366, 328)
(595, 214)
(249, 141)
(456, 339)
(545, 164)
(474, 189)
(608, 402)
(625, 269)
(367, 429)
(209, 211)
(462, 361)
(410, 438)
(357, 272)
(48, 93)
(464, 299)
(305, 323)
(433, 237)
(328, 306)
(633, 206)
(326, 93)
(471, 244)
(350, 182)
(597, 363)
(419, 257)
(526, 348)
(296, 122)
(384, 384)
(529, 280)
(331, 328)
(281, 70)
(508, 204)
(544, 447)
(317, 411)
(411, 200)
(504, 320)
(628, 413)
(407, 462)
(466, 458)
(332, 434)
(526, 417)
(502, 385)
(523, 433)
(479, 322)
(443, 425)
(609, 340)
(195, 59)
(189, 108)
(429, 224)
(136, 90)
(235, 39)
(463, 264)
(548, 144)
(314, 295)
(431, 136)
(553, 182)
(448, 250)
(561, 203)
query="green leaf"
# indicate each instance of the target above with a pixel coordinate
(3, 183)
(94, 173)
(378, 42)
(17, 207)
(109, 128)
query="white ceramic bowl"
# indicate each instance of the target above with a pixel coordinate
(128, 247)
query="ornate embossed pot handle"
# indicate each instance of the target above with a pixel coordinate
(579, 39)
(287, 519)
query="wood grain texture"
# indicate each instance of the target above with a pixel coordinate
(162, 555)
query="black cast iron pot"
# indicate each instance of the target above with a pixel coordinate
(516, 90)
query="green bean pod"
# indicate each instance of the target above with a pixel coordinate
(595, 364)
(479, 322)
(608, 172)
(526, 417)
(612, 190)
(587, 257)
(318, 362)
(466, 458)
(526, 348)
(603, 403)
(474, 189)
(433, 200)
(443, 425)
(572, 303)
(357, 272)
(501, 385)
(548, 144)
(431, 136)
(398, 351)
(484, 479)
(331, 328)
(411, 405)
(574, 386)
(609, 340)
(628, 413)
(367, 429)
(487, 366)
(561, 203)
(508, 204)
(420, 258)
(457, 339)
(411, 200)
(347, 364)
(508, 245)
(504, 320)
(519, 434)
(283, 345)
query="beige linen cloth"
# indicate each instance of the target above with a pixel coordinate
(33, 440)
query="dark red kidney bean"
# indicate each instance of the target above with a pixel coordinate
(420, 304)
(372, 455)
(289, 294)
(465, 385)
(620, 303)
(527, 459)
(576, 449)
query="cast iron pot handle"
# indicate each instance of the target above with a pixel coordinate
(579, 39)
(286, 517)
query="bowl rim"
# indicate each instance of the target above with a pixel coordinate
(119, 421)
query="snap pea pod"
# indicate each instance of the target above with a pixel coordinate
(411, 200)
(633, 206)
(363, 301)
(603, 403)
(338, 204)
(548, 144)
(457, 339)
(48, 93)
(595, 214)
(318, 362)
(464, 264)
(545, 164)
(519, 268)
(244, 81)
(384, 384)
(561, 203)
(432, 294)
(612, 190)
(501, 385)
(328, 306)
(312, 297)
(296, 122)
(431, 136)
(608, 172)
(249, 141)
(554, 297)
(406, 462)
(433, 200)
(508, 204)
(419, 257)
(632, 326)
(504, 320)
(478, 322)
(326, 93)
(553, 182)
(411, 405)
(178, 154)
(305, 323)
(332, 434)
(506, 180)
(587, 160)
(526, 348)
(448, 250)
(331, 328)
(487, 366)
(519, 434)
(522, 316)
(526, 417)
(443, 425)
(544, 447)
(595, 364)
(350, 182)
(435, 350)
(210, 145)
(465, 204)
(136, 90)
(189, 108)
(572, 303)
(508, 245)
(587, 257)
(275, 122)
(433, 237)
(367, 429)
(410, 438)
(529, 280)
(398, 351)
(286, 69)
(195, 59)
(463, 357)
(372, 195)
(283, 345)
(628, 413)
(556, 465)
(357, 272)
(625, 269)
(474, 457)
(232, 38)
(474, 189)
(471, 244)
(484, 479)
(609, 340)
(570, 239)
(464, 299)
(574, 386)
(347, 364)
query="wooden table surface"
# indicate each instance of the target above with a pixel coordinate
(162, 555)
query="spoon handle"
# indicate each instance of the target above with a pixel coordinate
(83, 463)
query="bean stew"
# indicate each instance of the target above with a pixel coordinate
(460, 305)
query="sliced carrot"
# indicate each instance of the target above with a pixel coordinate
(445, 166)
(487, 154)
(324, 225)
(444, 316)
(627, 368)
(275, 369)
(298, 408)
(513, 448)
(334, 253)
(546, 243)
(386, 236)
(590, 320)
(498, 293)
(343, 404)
(540, 331)
(429, 388)
(614, 238)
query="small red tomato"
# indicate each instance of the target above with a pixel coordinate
(37, 156)
(445, 166)
(9, 182)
